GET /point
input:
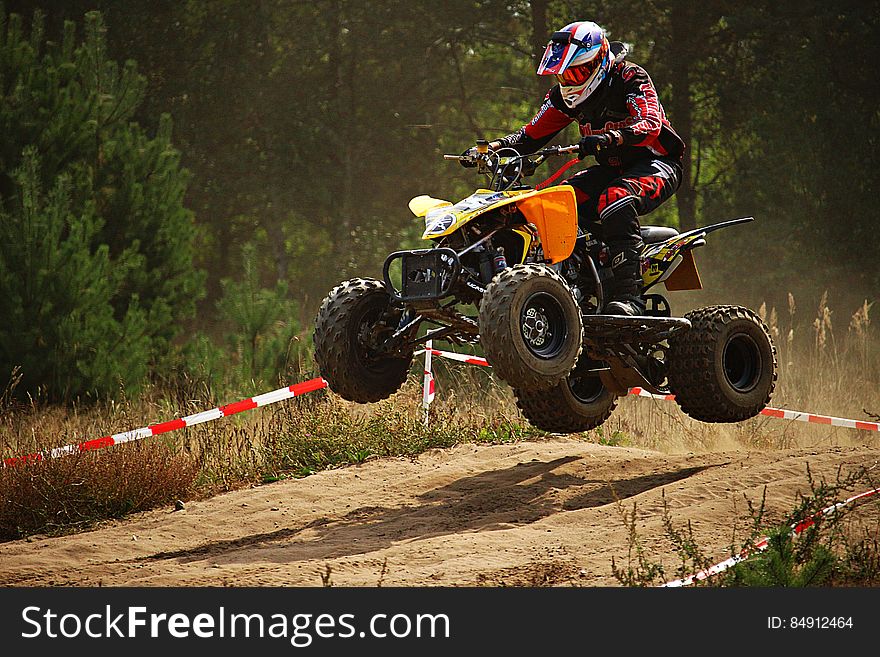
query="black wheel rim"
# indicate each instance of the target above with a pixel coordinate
(742, 363)
(542, 325)
(587, 389)
(371, 332)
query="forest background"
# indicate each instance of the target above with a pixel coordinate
(182, 182)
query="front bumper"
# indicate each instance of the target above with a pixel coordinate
(427, 275)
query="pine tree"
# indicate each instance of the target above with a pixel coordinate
(96, 273)
(55, 292)
(264, 330)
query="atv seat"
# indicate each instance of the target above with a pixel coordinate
(654, 234)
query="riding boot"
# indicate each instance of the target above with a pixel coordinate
(623, 291)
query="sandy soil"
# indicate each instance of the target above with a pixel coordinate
(531, 513)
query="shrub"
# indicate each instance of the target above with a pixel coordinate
(75, 492)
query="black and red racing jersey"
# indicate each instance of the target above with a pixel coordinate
(627, 104)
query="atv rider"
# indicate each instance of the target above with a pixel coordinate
(624, 126)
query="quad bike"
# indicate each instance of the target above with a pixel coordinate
(516, 254)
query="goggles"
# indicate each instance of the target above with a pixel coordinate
(576, 75)
(579, 74)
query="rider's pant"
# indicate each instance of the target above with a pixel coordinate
(611, 199)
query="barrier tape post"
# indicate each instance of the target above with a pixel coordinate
(428, 384)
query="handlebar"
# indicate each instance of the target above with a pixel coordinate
(506, 171)
(545, 152)
(506, 167)
(572, 148)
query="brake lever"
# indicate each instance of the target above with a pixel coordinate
(530, 166)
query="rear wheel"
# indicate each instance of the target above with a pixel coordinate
(579, 403)
(530, 327)
(723, 369)
(354, 319)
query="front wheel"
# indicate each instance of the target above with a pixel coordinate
(579, 403)
(353, 321)
(530, 327)
(723, 369)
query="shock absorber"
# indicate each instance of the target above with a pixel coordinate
(486, 265)
(500, 261)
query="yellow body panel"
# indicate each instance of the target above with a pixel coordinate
(553, 211)
(527, 242)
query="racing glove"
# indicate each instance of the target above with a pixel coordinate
(592, 144)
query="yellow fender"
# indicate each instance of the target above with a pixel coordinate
(421, 205)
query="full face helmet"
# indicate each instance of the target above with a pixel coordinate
(579, 56)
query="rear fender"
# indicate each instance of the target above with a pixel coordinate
(672, 262)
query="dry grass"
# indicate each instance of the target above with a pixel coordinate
(821, 371)
(75, 492)
(290, 439)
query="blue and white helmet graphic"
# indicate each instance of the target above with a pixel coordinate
(579, 57)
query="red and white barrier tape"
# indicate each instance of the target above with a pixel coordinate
(265, 399)
(191, 420)
(770, 412)
(763, 544)
(788, 415)
(463, 358)
(318, 383)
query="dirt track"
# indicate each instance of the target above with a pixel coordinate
(532, 513)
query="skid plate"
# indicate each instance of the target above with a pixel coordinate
(635, 329)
